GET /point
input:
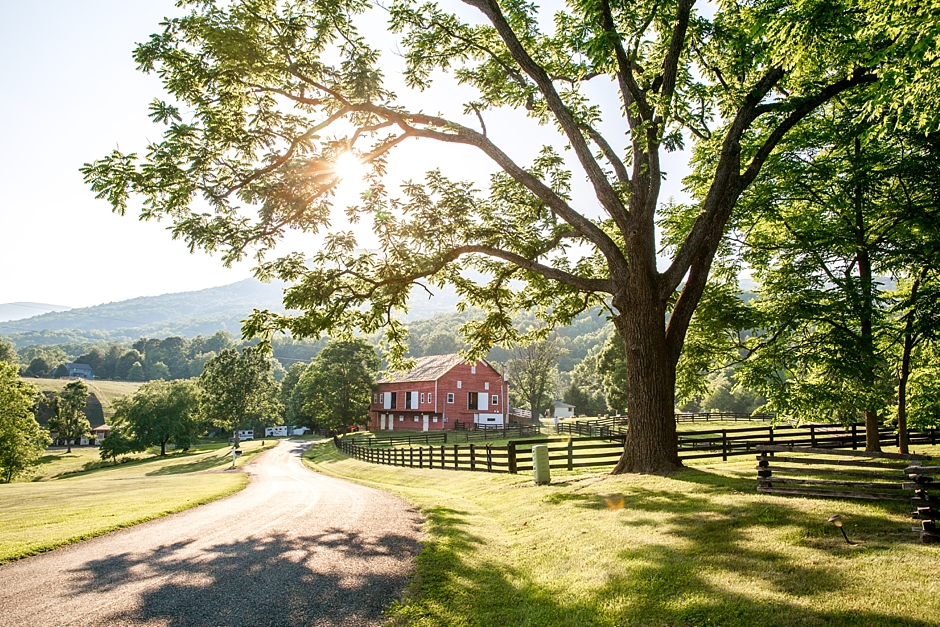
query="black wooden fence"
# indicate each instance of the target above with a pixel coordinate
(604, 450)
(445, 437)
(725, 443)
(516, 456)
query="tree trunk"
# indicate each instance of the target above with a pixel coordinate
(651, 445)
(904, 374)
(163, 448)
(866, 315)
(903, 441)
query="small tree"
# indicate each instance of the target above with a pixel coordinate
(161, 412)
(337, 387)
(533, 374)
(116, 444)
(22, 440)
(239, 390)
(38, 367)
(68, 417)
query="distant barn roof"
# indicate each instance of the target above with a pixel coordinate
(429, 368)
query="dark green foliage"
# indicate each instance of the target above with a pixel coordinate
(136, 372)
(161, 412)
(38, 367)
(117, 444)
(239, 390)
(68, 417)
(8, 353)
(22, 440)
(336, 389)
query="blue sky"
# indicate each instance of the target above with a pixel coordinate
(71, 94)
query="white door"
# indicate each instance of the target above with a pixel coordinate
(382, 419)
(391, 422)
(483, 397)
(425, 422)
(387, 400)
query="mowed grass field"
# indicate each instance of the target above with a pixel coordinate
(110, 390)
(697, 548)
(64, 503)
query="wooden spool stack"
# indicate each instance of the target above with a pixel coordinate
(926, 486)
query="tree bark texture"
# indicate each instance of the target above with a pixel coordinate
(651, 445)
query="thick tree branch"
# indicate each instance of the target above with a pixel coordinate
(602, 187)
(697, 252)
(464, 135)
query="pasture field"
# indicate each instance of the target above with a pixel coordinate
(695, 548)
(105, 390)
(73, 498)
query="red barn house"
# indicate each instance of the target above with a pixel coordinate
(437, 393)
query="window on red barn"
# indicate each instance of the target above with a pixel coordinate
(495, 399)
(450, 397)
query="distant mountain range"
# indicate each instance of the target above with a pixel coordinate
(202, 312)
(18, 311)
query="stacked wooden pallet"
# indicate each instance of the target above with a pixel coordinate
(925, 481)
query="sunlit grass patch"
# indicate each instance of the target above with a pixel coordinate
(699, 547)
(41, 515)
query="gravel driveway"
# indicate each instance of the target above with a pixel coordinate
(293, 548)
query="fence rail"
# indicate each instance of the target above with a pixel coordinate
(445, 437)
(594, 451)
(516, 456)
(809, 471)
(725, 443)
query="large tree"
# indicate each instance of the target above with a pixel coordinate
(161, 412)
(275, 93)
(239, 390)
(336, 389)
(22, 440)
(68, 418)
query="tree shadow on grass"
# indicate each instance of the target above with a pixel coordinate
(708, 571)
(329, 579)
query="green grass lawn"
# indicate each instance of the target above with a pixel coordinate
(67, 503)
(699, 547)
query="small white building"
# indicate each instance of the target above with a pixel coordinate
(275, 432)
(246, 434)
(563, 410)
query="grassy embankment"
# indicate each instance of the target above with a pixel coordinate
(699, 547)
(73, 497)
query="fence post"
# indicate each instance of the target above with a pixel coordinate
(570, 455)
(511, 450)
(724, 445)
(473, 461)
(489, 457)
(854, 435)
(455, 456)
(812, 435)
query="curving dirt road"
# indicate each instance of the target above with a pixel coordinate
(293, 548)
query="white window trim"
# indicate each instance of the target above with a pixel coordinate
(450, 398)
(494, 400)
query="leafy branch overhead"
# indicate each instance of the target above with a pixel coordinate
(267, 97)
